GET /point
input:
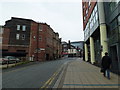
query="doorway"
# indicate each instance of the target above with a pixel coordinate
(47, 57)
(114, 57)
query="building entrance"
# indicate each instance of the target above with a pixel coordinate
(114, 57)
(47, 56)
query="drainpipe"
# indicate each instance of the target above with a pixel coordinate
(29, 50)
(37, 40)
(119, 47)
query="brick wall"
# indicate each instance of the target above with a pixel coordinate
(33, 41)
(5, 40)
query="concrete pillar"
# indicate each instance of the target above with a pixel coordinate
(86, 52)
(103, 31)
(103, 37)
(92, 52)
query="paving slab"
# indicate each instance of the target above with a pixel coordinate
(81, 74)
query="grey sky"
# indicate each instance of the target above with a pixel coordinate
(64, 17)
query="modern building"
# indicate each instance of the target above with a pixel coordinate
(112, 14)
(30, 40)
(101, 31)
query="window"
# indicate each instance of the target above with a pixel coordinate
(1, 30)
(18, 27)
(94, 20)
(34, 37)
(113, 24)
(117, 1)
(112, 6)
(91, 16)
(96, 15)
(89, 4)
(87, 12)
(119, 20)
(96, 8)
(92, 23)
(40, 38)
(90, 19)
(21, 51)
(93, 13)
(24, 28)
(40, 28)
(84, 18)
(17, 36)
(23, 36)
(84, 6)
(0, 39)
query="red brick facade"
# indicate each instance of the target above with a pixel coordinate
(5, 39)
(50, 42)
(47, 42)
(44, 43)
(6, 47)
(33, 41)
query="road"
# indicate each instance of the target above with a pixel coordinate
(31, 76)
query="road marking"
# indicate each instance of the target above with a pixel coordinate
(50, 80)
(91, 84)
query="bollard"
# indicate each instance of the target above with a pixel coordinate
(15, 62)
(8, 63)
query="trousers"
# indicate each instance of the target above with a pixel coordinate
(107, 73)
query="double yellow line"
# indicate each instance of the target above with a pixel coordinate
(49, 81)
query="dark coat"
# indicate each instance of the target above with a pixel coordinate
(106, 62)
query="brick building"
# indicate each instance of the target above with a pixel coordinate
(1, 33)
(16, 37)
(5, 40)
(30, 39)
(57, 45)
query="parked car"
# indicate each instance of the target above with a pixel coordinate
(3, 60)
(0, 60)
(11, 59)
(18, 60)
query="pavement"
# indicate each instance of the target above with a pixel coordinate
(6, 66)
(19, 64)
(81, 74)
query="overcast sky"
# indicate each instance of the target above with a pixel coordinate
(64, 17)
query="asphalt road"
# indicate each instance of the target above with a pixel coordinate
(31, 76)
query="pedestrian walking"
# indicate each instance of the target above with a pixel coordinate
(106, 63)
